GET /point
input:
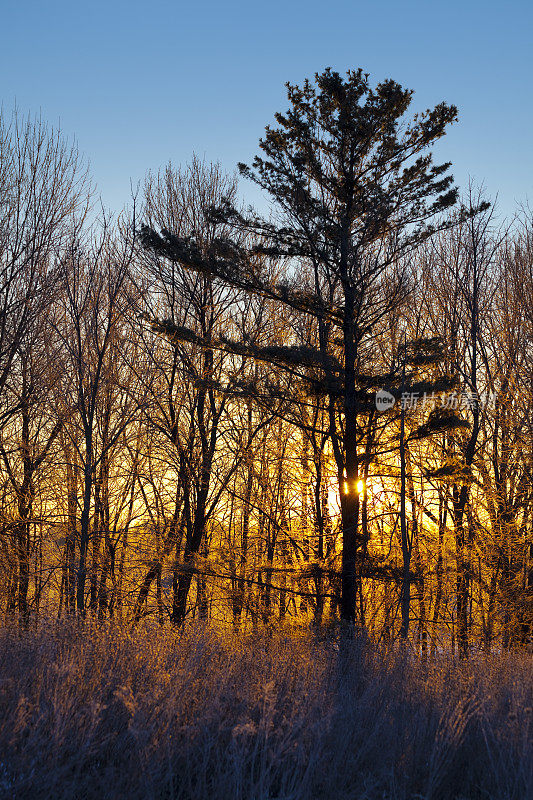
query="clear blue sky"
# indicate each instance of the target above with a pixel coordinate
(139, 84)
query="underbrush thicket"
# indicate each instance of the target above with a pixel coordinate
(96, 712)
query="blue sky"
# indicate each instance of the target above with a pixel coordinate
(139, 84)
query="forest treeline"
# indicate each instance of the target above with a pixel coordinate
(322, 414)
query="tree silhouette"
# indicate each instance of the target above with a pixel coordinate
(355, 191)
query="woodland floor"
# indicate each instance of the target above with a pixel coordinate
(97, 712)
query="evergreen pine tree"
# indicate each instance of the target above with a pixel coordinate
(355, 191)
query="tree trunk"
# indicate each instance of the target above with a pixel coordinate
(84, 529)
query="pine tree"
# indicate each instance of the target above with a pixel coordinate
(355, 192)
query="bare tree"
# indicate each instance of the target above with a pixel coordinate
(94, 275)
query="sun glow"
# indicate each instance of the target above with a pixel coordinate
(359, 487)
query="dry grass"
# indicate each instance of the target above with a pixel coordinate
(101, 713)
